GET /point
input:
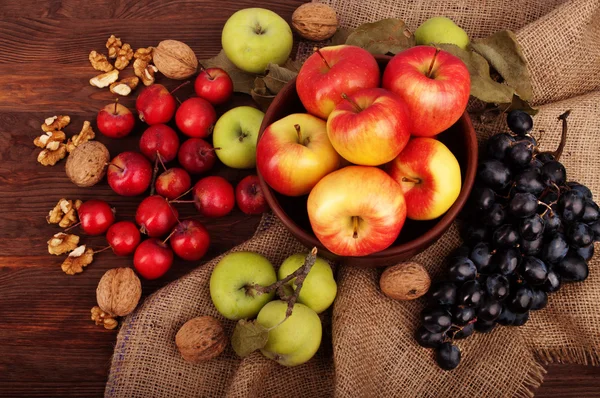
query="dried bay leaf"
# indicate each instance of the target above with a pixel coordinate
(341, 36)
(505, 54)
(277, 76)
(248, 336)
(242, 81)
(261, 95)
(483, 86)
(518, 103)
(386, 36)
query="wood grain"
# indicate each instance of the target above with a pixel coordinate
(48, 345)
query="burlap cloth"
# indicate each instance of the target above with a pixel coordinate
(368, 348)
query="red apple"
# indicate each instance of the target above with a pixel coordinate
(429, 176)
(331, 71)
(356, 211)
(115, 121)
(155, 216)
(196, 156)
(370, 127)
(152, 258)
(173, 183)
(155, 104)
(96, 216)
(214, 85)
(213, 196)
(249, 196)
(196, 117)
(294, 153)
(434, 84)
(129, 173)
(190, 240)
(123, 237)
(159, 138)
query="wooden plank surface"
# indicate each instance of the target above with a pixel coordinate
(48, 345)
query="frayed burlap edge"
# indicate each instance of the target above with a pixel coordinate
(572, 355)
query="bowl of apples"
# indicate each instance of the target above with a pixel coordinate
(369, 159)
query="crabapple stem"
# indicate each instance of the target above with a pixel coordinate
(355, 226)
(154, 173)
(103, 249)
(298, 131)
(322, 57)
(116, 102)
(183, 194)
(414, 180)
(72, 226)
(357, 107)
(114, 165)
(437, 51)
(203, 69)
(181, 201)
(181, 85)
(161, 162)
(168, 237)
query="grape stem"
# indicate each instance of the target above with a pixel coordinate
(563, 137)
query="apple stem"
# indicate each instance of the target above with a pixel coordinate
(114, 165)
(116, 103)
(103, 249)
(181, 201)
(154, 174)
(203, 69)
(181, 85)
(437, 51)
(72, 226)
(357, 107)
(299, 132)
(563, 137)
(411, 179)
(168, 237)
(182, 195)
(322, 57)
(355, 226)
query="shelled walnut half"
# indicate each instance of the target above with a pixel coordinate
(86, 134)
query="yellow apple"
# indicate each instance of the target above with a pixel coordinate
(439, 30)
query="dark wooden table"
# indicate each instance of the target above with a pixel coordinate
(48, 344)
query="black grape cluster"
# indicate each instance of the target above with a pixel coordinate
(527, 231)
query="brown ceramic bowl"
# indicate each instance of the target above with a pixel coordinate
(415, 236)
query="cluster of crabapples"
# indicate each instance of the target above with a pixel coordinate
(131, 173)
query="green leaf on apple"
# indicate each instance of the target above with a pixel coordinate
(505, 54)
(242, 81)
(382, 37)
(248, 336)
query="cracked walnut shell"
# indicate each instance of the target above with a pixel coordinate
(201, 339)
(103, 318)
(113, 45)
(55, 123)
(119, 291)
(100, 62)
(124, 55)
(86, 134)
(86, 165)
(62, 243)
(79, 258)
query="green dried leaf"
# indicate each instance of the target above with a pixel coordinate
(277, 76)
(248, 336)
(518, 103)
(292, 65)
(242, 81)
(261, 94)
(483, 86)
(504, 54)
(382, 37)
(341, 36)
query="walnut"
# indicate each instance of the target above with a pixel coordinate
(124, 55)
(86, 134)
(62, 243)
(52, 154)
(113, 45)
(77, 259)
(125, 86)
(119, 291)
(201, 339)
(103, 318)
(175, 59)
(47, 140)
(145, 54)
(64, 213)
(86, 165)
(144, 71)
(55, 123)
(405, 281)
(99, 62)
(315, 21)
(105, 79)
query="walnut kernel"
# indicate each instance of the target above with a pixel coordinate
(86, 134)
(125, 86)
(105, 79)
(79, 258)
(124, 55)
(55, 123)
(113, 45)
(62, 243)
(52, 154)
(100, 62)
(104, 318)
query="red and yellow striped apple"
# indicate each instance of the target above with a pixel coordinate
(356, 211)
(331, 71)
(294, 153)
(429, 176)
(369, 127)
(434, 84)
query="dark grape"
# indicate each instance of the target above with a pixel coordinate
(587, 194)
(481, 256)
(595, 226)
(470, 294)
(475, 233)
(591, 212)
(520, 298)
(549, 198)
(519, 122)
(519, 155)
(436, 320)
(462, 269)
(447, 356)
(535, 163)
(497, 287)
(579, 235)
(505, 236)
(552, 283)
(482, 198)
(498, 144)
(586, 252)
(552, 223)
(495, 215)
(572, 268)
(484, 326)
(553, 172)
(461, 251)
(506, 318)
(523, 204)
(540, 300)
(532, 227)
(462, 315)
(529, 181)
(427, 339)
(534, 270)
(489, 310)
(443, 293)
(545, 157)
(506, 260)
(532, 247)
(531, 139)
(521, 319)
(571, 205)
(463, 332)
(494, 174)
(555, 249)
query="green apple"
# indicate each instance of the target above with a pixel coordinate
(294, 341)
(441, 30)
(231, 281)
(235, 135)
(319, 288)
(253, 38)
